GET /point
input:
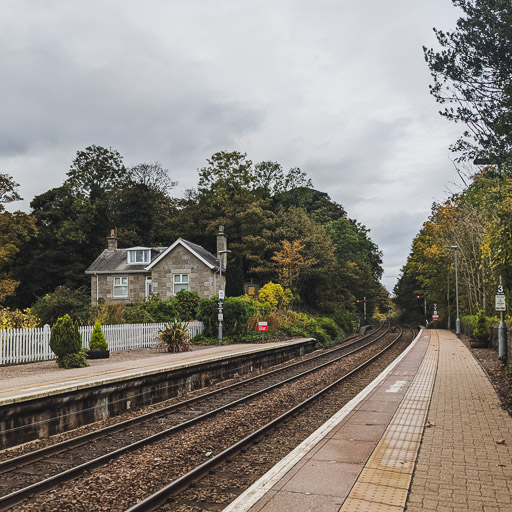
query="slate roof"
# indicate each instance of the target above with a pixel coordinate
(116, 260)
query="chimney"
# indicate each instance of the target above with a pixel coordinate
(222, 245)
(112, 240)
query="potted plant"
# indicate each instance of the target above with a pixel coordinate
(98, 346)
(175, 336)
(480, 337)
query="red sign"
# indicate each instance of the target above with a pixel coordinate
(359, 300)
(262, 326)
(435, 318)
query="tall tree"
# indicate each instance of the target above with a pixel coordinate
(473, 74)
(15, 229)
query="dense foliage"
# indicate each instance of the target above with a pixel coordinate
(472, 73)
(280, 229)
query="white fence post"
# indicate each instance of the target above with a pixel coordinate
(29, 345)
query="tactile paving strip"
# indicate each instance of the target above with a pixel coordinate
(384, 482)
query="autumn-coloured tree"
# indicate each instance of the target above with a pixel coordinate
(291, 263)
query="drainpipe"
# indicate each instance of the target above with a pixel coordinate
(97, 290)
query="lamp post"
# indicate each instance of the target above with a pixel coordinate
(221, 294)
(449, 307)
(457, 321)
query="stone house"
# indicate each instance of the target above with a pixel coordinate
(126, 275)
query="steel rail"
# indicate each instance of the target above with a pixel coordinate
(74, 442)
(159, 498)
(18, 496)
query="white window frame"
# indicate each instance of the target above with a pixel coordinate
(144, 254)
(182, 281)
(149, 286)
(120, 283)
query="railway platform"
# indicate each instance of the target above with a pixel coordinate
(40, 399)
(427, 435)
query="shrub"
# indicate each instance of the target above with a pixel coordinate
(346, 321)
(16, 319)
(62, 301)
(75, 360)
(468, 324)
(480, 330)
(65, 340)
(175, 336)
(207, 313)
(108, 314)
(275, 295)
(98, 340)
(161, 310)
(136, 313)
(187, 304)
(330, 327)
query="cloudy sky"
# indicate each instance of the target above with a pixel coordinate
(338, 88)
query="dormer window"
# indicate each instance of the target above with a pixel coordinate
(139, 255)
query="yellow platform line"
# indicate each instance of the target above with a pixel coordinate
(384, 483)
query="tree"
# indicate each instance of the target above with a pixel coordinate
(151, 175)
(472, 76)
(291, 263)
(96, 171)
(15, 229)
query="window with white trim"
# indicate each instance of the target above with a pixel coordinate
(180, 282)
(139, 256)
(149, 286)
(120, 287)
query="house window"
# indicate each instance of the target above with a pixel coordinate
(120, 287)
(149, 286)
(138, 256)
(180, 282)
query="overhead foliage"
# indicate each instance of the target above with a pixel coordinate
(472, 75)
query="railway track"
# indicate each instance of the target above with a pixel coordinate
(23, 474)
(224, 469)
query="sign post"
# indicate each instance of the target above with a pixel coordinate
(501, 305)
(263, 328)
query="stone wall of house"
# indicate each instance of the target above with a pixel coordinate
(136, 288)
(181, 261)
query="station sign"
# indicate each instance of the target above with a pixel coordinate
(500, 303)
(500, 299)
(263, 326)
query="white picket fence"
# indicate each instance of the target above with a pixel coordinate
(28, 345)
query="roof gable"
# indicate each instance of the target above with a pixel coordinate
(199, 252)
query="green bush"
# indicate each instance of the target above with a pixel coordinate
(330, 327)
(468, 324)
(480, 330)
(161, 310)
(346, 321)
(207, 313)
(75, 360)
(187, 304)
(237, 311)
(62, 301)
(65, 340)
(98, 340)
(137, 313)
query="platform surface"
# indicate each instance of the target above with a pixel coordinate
(427, 435)
(33, 380)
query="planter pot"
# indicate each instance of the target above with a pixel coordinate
(479, 343)
(98, 354)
